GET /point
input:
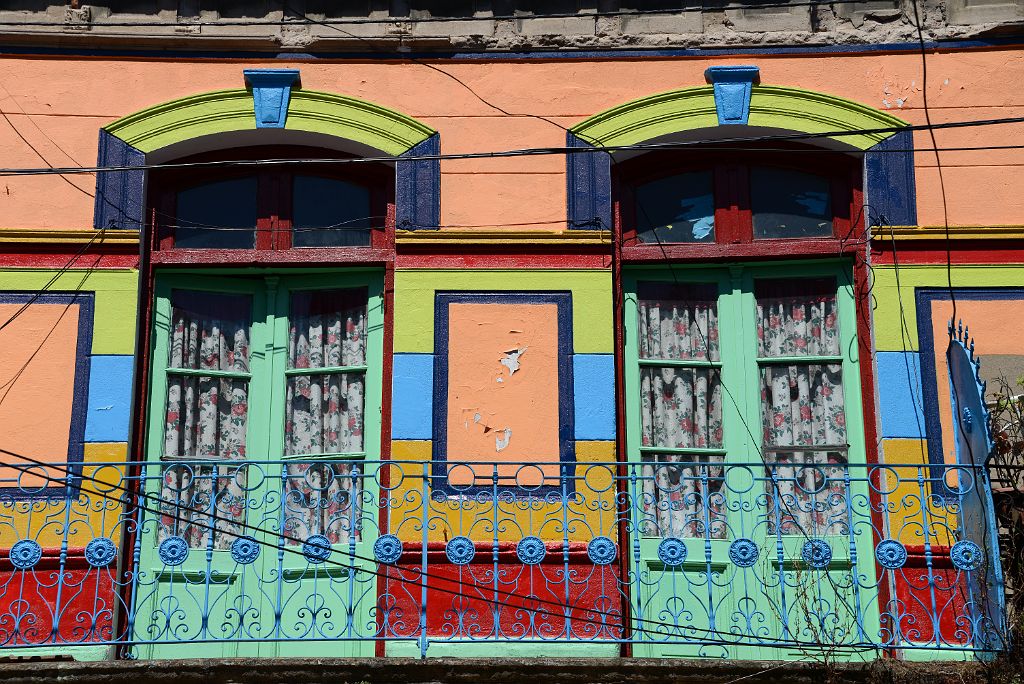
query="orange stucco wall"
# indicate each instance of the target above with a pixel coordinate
(36, 393)
(58, 104)
(503, 388)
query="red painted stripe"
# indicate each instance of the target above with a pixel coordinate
(387, 375)
(52, 260)
(934, 252)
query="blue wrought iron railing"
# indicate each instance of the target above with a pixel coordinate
(336, 557)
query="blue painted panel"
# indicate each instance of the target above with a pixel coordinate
(411, 397)
(110, 399)
(533, 55)
(589, 179)
(890, 186)
(594, 387)
(119, 198)
(418, 187)
(900, 400)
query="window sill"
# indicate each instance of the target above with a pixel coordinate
(297, 256)
(825, 247)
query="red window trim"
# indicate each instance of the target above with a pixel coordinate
(733, 217)
(273, 244)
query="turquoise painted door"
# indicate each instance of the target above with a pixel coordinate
(264, 410)
(741, 421)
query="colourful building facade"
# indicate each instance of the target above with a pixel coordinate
(564, 354)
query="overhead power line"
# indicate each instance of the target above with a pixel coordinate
(600, 620)
(542, 151)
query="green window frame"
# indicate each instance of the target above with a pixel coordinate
(268, 374)
(740, 369)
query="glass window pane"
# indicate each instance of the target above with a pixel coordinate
(681, 407)
(678, 321)
(209, 331)
(323, 498)
(802, 405)
(206, 417)
(807, 493)
(327, 212)
(790, 204)
(324, 414)
(325, 411)
(219, 215)
(797, 317)
(328, 328)
(679, 208)
(684, 497)
(198, 500)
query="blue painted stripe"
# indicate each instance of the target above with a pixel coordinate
(594, 390)
(110, 398)
(412, 396)
(900, 400)
(533, 55)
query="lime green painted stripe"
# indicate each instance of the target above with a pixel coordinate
(887, 314)
(591, 302)
(116, 295)
(222, 111)
(687, 109)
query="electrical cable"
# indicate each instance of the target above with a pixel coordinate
(61, 271)
(539, 151)
(40, 154)
(949, 274)
(423, 584)
(247, 526)
(418, 571)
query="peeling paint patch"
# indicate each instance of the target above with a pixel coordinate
(500, 442)
(511, 360)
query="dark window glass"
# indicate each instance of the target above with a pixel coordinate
(216, 215)
(679, 208)
(329, 213)
(790, 204)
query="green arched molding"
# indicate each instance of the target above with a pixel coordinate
(223, 111)
(792, 109)
(889, 163)
(127, 141)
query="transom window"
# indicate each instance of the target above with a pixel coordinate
(736, 197)
(271, 207)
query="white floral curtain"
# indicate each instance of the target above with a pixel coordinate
(802, 406)
(681, 407)
(324, 411)
(684, 497)
(206, 418)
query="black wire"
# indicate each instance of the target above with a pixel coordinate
(542, 151)
(63, 269)
(40, 154)
(297, 551)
